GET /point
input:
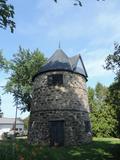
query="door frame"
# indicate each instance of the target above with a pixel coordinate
(52, 143)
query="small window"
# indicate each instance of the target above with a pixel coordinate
(55, 79)
(87, 126)
(20, 129)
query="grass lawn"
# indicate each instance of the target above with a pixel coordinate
(99, 149)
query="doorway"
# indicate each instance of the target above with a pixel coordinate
(56, 131)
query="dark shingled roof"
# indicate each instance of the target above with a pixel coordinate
(59, 61)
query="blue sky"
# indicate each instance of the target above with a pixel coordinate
(90, 30)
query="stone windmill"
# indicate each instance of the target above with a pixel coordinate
(60, 111)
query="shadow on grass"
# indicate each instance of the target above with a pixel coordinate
(97, 150)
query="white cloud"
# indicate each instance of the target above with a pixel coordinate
(51, 12)
(106, 28)
(96, 69)
(66, 31)
(65, 21)
(94, 62)
(96, 26)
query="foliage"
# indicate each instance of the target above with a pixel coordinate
(103, 116)
(113, 98)
(113, 61)
(26, 121)
(1, 113)
(24, 65)
(100, 92)
(3, 61)
(6, 15)
(99, 149)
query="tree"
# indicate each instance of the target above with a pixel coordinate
(24, 65)
(3, 62)
(6, 15)
(103, 116)
(26, 121)
(1, 113)
(113, 61)
(113, 99)
(100, 92)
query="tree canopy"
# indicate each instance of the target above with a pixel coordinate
(114, 100)
(111, 99)
(3, 61)
(113, 61)
(22, 68)
(6, 15)
(103, 115)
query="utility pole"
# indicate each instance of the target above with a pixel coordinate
(15, 117)
(14, 127)
(16, 106)
(1, 113)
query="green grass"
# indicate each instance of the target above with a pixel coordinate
(99, 149)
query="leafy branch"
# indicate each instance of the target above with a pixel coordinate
(7, 15)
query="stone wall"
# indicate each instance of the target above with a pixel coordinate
(68, 102)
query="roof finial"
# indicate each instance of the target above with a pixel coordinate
(59, 45)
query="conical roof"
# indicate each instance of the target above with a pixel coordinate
(59, 61)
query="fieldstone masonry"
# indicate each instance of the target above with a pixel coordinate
(67, 102)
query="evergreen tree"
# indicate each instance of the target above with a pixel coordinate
(113, 63)
(103, 115)
(113, 99)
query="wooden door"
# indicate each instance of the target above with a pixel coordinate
(56, 129)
